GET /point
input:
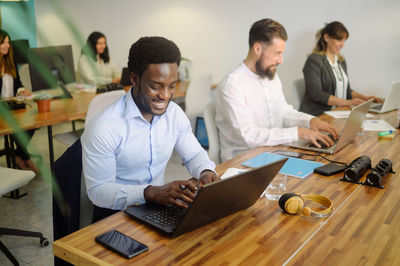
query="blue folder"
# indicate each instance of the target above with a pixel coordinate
(294, 166)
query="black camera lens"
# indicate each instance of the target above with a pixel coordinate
(356, 169)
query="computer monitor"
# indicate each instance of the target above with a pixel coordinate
(20, 49)
(48, 65)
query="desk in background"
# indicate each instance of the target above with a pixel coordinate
(61, 110)
(363, 228)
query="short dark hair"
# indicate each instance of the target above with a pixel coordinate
(265, 31)
(152, 50)
(335, 30)
(90, 47)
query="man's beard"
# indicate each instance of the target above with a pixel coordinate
(268, 72)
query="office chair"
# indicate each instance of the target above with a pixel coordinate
(10, 180)
(212, 132)
(298, 91)
(197, 97)
(96, 105)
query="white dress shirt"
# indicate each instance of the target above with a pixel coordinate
(252, 112)
(122, 153)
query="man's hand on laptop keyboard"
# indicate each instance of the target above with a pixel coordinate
(319, 125)
(207, 176)
(179, 193)
(315, 137)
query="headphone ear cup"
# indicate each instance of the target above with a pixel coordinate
(284, 198)
(306, 211)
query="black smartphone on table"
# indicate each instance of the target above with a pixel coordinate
(121, 244)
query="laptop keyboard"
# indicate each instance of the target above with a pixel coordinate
(377, 107)
(168, 216)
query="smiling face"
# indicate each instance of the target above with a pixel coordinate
(5, 46)
(154, 90)
(269, 57)
(333, 46)
(101, 45)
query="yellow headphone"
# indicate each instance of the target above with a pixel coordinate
(294, 203)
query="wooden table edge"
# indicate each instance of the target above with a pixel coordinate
(75, 256)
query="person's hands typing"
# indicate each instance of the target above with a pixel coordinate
(315, 137)
(319, 125)
(179, 193)
(207, 176)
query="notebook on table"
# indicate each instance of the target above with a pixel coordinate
(212, 202)
(295, 167)
(392, 100)
(349, 132)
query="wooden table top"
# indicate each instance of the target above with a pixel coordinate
(363, 228)
(61, 110)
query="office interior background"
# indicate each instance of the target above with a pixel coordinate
(214, 34)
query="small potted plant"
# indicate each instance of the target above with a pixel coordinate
(43, 101)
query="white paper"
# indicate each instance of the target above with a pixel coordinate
(342, 114)
(376, 125)
(233, 171)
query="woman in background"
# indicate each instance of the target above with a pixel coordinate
(95, 65)
(10, 86)
(325, 74)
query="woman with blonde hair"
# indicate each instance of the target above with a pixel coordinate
(325, 74)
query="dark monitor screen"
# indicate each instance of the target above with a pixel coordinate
(20, 49)
(48, 65)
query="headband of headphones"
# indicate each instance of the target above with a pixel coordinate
(294, 203)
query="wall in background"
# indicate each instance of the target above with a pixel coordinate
(18, 19)
(213, 34)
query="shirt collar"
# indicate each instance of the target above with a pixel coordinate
(251, 73)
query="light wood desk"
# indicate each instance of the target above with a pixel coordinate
(364, 227)
(61, 110)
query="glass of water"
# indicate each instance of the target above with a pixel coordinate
(277, 187)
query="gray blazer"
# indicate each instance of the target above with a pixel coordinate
(320, 83)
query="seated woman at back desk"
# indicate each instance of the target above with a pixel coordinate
(325, 74)
(95, 66)
(10, 86)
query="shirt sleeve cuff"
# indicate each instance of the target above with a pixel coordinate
(293, 133)
(136, 195)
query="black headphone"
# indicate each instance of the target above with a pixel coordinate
(293, 203)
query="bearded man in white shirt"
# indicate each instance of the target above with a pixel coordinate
(251, 108)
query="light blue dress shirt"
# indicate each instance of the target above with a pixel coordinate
(123, 153)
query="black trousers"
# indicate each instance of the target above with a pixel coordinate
(101, 213)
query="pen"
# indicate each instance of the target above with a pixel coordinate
(384, 133)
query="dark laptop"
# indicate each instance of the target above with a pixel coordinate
(213, 201)
(125, 78)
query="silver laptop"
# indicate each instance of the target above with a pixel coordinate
(392, 100)
(349, 132)
(213, 201)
